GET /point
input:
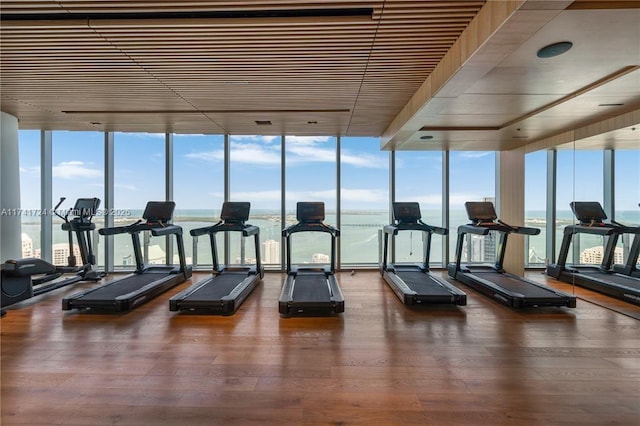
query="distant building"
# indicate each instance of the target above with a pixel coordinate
(271, 252)
(60, 254)
(594, 255)
(27, 246)
(320, 258)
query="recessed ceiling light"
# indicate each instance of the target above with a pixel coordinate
(95, 122)
(263, 122)
(606, 105)
(520, 137)
(426, 137)
(312, 122)
(554, 49)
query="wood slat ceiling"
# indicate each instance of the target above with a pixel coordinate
(350, 75)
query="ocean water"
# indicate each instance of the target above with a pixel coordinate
(359, 239)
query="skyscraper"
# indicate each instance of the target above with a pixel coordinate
(271, 252)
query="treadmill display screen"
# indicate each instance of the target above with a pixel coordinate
(310, 212)
(588, 211)
(406, 212)
(235, 212)
(158, 211)
(86, 207)
(481, 211)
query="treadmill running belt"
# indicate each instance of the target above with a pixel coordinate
(515, 285)
(124, 286)
(217, 287)
(614, 279)
(421, 283)
(311, 288)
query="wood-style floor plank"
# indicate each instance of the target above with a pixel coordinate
(379, 363)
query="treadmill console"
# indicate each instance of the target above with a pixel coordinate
(480, 211)
(406, 212)
(235, 211)
(310, 212)
(588, 212)
(159, 212)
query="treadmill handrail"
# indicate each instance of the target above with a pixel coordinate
(305, 227)
(246, 229)
(414, 226)
(473, 229)
(133, 228)
(603, 229)
(166, 230)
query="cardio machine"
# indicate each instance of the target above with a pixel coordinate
(413, 283)
(311, 290)
(591, 220)
(631, 266)
(492, 280)
(226, 290)
(147, 281)
(26, 278)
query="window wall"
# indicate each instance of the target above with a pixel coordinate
(310, 175)
(255, 176)
(535, 205)
(29, 152)
(198, 190)
(419, 179)
(139, 177)
(471, 178)
(364, 199)
(579, 178)
(77, 172)
(311, 169)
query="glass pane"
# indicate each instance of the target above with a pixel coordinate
(29, 152)
(78, 172)
(627, 198)
(255, 176)
(139, 177)
(472, 177)
(198, 188)
(364, 199)
(310, 176)
(535, 201)
(419, 179)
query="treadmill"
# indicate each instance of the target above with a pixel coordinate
(413, 283)
(491, 280)
(146, 282)
(600, 278)
(631, 266)
(311, 290)
(224, 292)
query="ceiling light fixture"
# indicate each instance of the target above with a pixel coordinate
(426, 137)
(608, 105)
(263, 122)
(554, 49)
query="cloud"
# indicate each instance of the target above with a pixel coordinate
(308, 153)
(363, 195)
(364, 160)
(247, 153)
(306, 140)
(474, 154)
(127, 187)
(75, 169)
(30, 170)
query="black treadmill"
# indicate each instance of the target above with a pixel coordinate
(631, 266)
(600, 278)
(311, 290)
(146, 282)
(25, 278)
(413, 283)
(492, 280)
(224, 292)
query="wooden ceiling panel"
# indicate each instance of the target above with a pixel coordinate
(80, 69)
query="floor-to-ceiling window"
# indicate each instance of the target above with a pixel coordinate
(627, 197)
(29, 153)
(419, 179)
(364, 192)
(198, 190)
(579, 178)
(310, 176)
(535, 198)
(77, 172)
(139, 177)
(255, 173)
(472, 176)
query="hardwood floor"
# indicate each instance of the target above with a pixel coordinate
(379, 363)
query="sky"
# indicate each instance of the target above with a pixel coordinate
(255, 171)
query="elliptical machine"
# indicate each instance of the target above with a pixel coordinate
(25, 278)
